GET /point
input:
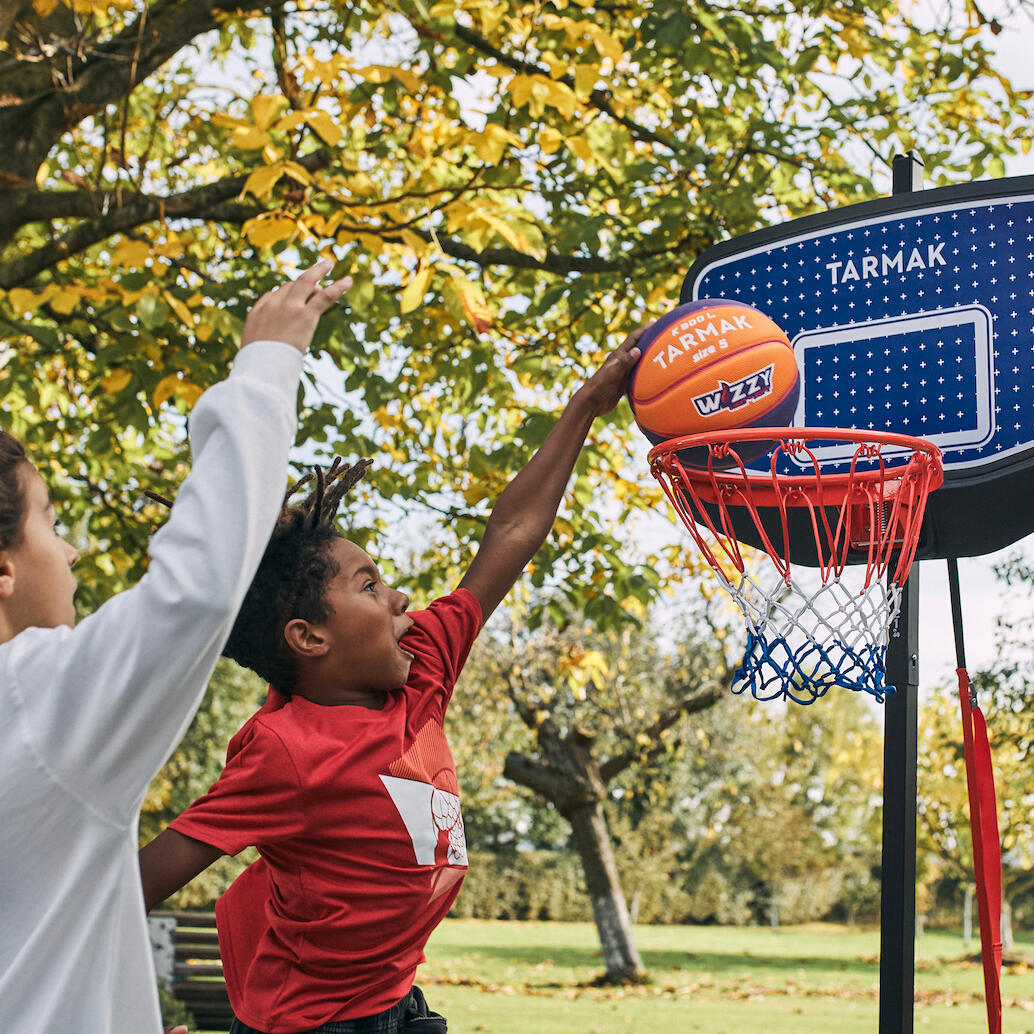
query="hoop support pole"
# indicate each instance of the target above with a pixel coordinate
(900, 737)
(898, 870)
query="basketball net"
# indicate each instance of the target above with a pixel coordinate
(807, 631)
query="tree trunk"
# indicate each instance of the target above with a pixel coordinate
(1007, 941)
(592, 841)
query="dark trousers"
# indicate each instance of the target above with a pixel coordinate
(409, 1016)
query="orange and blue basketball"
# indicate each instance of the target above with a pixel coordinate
(713, 365)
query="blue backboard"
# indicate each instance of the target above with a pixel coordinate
(912, 314)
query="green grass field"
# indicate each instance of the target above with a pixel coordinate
(515, 978)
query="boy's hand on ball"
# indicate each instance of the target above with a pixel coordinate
(290, 312)
(607, 386)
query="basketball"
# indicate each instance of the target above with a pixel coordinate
(712, 365)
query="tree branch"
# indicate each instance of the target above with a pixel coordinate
(60, 86)
(11, 12)
(31, 332)
(599, 99)
(538, 776)
(691, 704)
(25, 205)
(552, 263)
(211, 201)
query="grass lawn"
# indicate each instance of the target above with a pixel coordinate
(515, 978)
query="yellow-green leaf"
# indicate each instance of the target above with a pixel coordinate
(607, 45)
(248, 138)
(559, 96)
(265, 230)
(520, 89)
(557, 68)
(478, 314)
(262, 181)
(185, 315)
(264, 108)
(515, 237)
(491, 142)
(550, 140)
(298, 173)
(23, 301)
(326, 128)
(116, 380)
(174, 386)
(585, 77)
(415, 290)
(291, 121)
(131, 254)
(65, 301)
(580, 148)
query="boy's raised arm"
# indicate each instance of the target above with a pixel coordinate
(525, 511)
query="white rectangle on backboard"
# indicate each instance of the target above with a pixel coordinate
(977, 397)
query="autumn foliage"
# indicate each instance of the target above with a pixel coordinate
(513, 185)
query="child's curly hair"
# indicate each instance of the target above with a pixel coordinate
(293, 575)
(12, 489)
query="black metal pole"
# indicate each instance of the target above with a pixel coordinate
(898, 871)
(898, 897)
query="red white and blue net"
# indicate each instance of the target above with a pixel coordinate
(809, 629)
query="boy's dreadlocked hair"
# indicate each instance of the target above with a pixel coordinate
(292, 578)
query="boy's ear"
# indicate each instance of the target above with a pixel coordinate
(305, 640)
(6, 574)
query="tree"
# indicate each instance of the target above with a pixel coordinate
(513, 185)
(1005, 692)
(741, 811)
(800, 812)
(605, 711)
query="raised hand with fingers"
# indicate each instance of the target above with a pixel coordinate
(607, 386)
(290, 312)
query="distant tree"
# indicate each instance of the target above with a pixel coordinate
(793, 804)
(1005, 691)
(602, 712)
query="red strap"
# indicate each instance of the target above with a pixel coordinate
(987, 848)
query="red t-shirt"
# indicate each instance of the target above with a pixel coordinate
(356, 816)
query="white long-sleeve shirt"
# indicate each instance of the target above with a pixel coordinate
(88, 715)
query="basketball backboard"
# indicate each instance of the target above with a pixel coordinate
(911, 314)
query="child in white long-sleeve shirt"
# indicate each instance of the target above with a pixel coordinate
(89, 713)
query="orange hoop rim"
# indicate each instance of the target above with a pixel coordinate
(771, 488)
(871, 516)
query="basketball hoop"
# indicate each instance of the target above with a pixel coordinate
(804, 639)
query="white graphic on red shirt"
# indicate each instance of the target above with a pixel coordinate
(423, 788)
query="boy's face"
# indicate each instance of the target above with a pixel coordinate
(37, 587)
(365, 621)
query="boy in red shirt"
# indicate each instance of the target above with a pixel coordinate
(344, 779)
